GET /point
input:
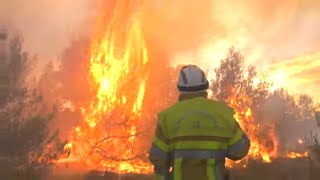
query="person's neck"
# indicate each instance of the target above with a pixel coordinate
(186, 96)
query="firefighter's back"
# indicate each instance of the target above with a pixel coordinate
(198, 130)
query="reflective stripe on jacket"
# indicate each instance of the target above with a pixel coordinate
(194, 137)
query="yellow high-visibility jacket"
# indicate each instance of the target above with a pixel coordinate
(194, 137)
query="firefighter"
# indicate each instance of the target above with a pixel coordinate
(194, 136)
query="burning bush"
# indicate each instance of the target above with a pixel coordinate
(266, 116)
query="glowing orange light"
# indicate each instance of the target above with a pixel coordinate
(106, 140)
(297, 155)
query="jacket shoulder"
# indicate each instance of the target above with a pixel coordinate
(202, 103)
(220, 106)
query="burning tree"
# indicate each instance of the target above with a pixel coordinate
(264, 115)
(113, 134)
(237, 87)
(118, 84)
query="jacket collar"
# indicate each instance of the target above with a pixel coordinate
(186, 96)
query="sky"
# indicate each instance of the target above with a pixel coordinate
(281, 38)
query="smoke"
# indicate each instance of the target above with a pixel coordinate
(49, 29)
(190, 32)
(48, 25)
(266, 32)
(200, 31)
(176, 26)
(294, 119)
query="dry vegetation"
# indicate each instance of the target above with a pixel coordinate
(29, 146)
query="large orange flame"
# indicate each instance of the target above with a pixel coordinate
(106, 140)
(264, 142)
(262, 148)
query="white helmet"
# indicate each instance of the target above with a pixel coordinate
(192, 79)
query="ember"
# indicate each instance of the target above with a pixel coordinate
(293, 155)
